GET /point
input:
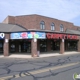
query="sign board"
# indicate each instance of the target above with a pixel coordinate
(2, 35)
(28, 35)
(61, 36)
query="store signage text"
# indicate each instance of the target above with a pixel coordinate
(61, 36)
(2, 35)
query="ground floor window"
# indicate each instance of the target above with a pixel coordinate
(1, 46)
(13, 47)
(43, 45)
(19, 46)
(71, 44)
(25, 46)
(47, 45)
(55, 44)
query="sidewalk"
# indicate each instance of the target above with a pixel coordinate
(41, 55)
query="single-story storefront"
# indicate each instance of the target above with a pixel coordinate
(21, 42)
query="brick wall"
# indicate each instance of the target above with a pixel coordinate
(5, 20)
(29, 22)
(10, 20)
(48, 22)
(33, 22)
(6, 45)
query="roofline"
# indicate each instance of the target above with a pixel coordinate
(46, 31)
(44, 16)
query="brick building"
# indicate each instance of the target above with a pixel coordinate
(32, 33)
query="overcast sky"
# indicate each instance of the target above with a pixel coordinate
(67, 10)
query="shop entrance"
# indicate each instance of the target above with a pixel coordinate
(55, 45)
(71, 45)
(20, 46)
(25, 46)
(52, 44)
(1, 46)
(43, 45)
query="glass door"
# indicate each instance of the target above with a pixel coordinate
(23, 47)
(26, 46)
(55, 45)
(1, 47)
(12, 47)
(43, 45)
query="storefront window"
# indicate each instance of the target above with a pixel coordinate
(20, 46)
(55, 45)
(1, 47)
(43, 45)
(26, 46)
(71, 45)
(12, 47)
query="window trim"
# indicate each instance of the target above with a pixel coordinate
(61, 28)
(42, 25)
(52, 26)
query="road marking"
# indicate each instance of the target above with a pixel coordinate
(17, 76)
(40, 71)
(22, 75)
(7, 77)
(53, 68)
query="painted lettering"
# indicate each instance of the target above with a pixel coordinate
(61, 36)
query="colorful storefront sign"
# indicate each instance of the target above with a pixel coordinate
(39, 35)
(61, 36)
(2, 35)
(28, 35)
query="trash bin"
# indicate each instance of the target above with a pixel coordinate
(38, 53)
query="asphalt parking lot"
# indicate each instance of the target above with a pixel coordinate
(49, 68)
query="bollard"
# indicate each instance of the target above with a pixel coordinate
(38, 53)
